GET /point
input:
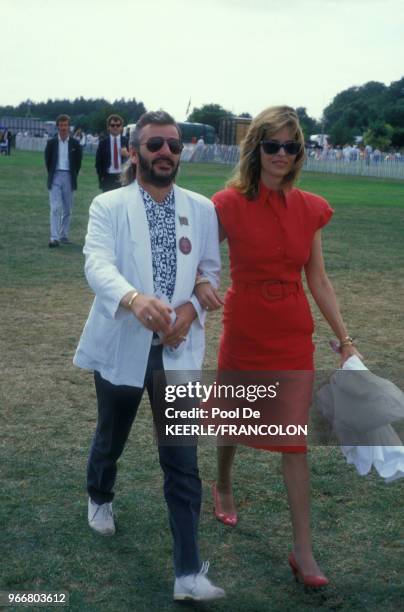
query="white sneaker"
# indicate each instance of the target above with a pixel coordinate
(100, 517)
(197, 587)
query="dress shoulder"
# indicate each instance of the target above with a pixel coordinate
(225, 202)
(226, 197)
(317, 207)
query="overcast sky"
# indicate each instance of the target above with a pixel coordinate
(242, 54)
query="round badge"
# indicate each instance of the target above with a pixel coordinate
(185, 245)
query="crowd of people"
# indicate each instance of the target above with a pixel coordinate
(6, 138)
(351, 153)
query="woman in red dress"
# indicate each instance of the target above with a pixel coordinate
(274, 232)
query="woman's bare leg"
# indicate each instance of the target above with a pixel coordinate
(225, 458)
(297, 481)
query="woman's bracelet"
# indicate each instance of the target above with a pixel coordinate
(347, 341)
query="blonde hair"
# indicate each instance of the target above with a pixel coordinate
(247, 173)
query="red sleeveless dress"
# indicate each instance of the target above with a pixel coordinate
(267, 322)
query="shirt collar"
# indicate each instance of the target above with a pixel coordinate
(63, 141)
(168, 201)
(264, 193)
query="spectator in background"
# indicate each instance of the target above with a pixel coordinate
(7, 138)
(346, 152)
(377, 156)
(111, 153)
(81, 137)
(63, 162)
(5, 141)
(2, 142)
(368, 153)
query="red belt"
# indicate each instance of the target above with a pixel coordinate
(270, 289)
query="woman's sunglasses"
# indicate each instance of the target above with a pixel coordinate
(155, 143)
(272, 147)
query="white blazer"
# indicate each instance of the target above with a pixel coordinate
(118, 259)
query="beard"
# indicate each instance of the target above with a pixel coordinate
(149, 175)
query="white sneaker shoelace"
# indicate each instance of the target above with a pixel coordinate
(105, 511)
(204, 569)
(202, 574)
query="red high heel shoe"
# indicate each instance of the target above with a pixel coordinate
(308, 581)
(224, 517)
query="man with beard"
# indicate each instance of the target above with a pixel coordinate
(146, 243)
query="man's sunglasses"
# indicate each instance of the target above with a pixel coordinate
(272, 147)
(155, 143)
(115, 124)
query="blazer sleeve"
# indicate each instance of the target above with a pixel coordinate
(101, 267)
(48, 155)
(209, 263)
(79, 157)
(99, 159)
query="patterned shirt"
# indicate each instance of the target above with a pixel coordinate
(161, 220)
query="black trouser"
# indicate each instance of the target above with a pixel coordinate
(117, 407)
(110, 182)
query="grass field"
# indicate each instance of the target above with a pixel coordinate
(47, 410)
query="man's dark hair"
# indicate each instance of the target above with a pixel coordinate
(114, 118)
(60, 118)
(159, 117)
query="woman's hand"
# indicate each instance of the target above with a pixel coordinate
(208, 297)
(346, 352)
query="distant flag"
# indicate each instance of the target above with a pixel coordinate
(188, 107)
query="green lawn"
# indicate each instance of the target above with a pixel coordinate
(47, 410)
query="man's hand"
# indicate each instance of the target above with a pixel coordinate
(153, 313)
(208, 297)
(179, 331)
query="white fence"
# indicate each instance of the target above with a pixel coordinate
(383, 165)
(387, 166)
(215, 154)
(30, 143)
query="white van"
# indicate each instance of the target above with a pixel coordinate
(320, 139)
(127, 129)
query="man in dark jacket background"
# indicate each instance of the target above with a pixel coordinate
(111, 153)
(63, 162)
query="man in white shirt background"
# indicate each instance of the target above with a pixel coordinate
(63, 156)
(111, 153)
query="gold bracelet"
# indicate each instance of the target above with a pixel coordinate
(201, 280)
(347, 341)
(133, 298)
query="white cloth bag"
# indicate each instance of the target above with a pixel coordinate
(361, 409)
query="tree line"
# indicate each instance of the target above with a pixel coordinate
(88, 114)
(373, 111)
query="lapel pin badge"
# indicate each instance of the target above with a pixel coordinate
(185, 245)
(183, 220)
